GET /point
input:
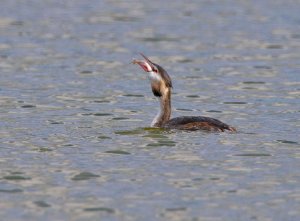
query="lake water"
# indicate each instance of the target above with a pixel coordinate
(75, 114)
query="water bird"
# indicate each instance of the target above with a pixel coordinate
(161, 85)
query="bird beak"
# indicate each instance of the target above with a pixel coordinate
(146, 64)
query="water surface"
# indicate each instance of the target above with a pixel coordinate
(75, 115)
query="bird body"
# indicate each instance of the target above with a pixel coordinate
(196, 123)
(161, 85)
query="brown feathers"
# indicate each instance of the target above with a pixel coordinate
(198, 123)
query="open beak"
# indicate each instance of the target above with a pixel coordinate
(146, 64)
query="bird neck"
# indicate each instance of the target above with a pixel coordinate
(165, 110)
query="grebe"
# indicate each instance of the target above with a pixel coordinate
(161, 85)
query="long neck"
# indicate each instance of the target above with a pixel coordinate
(165, 110)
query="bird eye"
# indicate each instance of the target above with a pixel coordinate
(155, 70)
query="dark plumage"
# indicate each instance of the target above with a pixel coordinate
(197, 122)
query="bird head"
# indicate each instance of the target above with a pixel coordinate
(160, 80)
